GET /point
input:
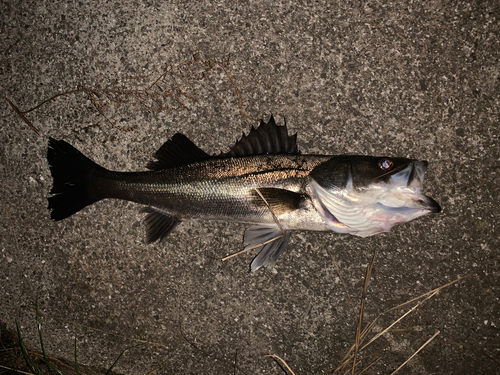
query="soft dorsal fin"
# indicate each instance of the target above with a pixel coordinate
(178, 150)
(267, 139)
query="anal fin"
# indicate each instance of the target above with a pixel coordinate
(269, 240)
(158, 225)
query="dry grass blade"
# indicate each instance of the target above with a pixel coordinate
(433, 291)
(397, 320)
(361, 310)
(247, 249)
(275, 357)
(414, 354)
(138, 341)
(275, 218)
(351, 355)
(15, 371)
(360, 335)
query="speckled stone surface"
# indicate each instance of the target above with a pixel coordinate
(416, 79)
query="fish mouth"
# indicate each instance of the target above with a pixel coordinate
(431, 205)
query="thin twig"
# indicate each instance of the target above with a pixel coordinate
(155, 96)
(25, 119)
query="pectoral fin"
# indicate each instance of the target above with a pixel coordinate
(279, 201)
(269, 240)
(158, 225)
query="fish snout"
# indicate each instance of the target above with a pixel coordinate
(431, 205)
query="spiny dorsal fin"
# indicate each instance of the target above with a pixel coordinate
(267, 139)
(179, 150)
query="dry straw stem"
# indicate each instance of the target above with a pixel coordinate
(15, 371)
(275, 218)
(275, 357)
(357, 347)
(361, 310)
(247, 249)
(138, 341)
(414, 354)
(349, 363)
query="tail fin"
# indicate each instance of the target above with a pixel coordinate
(71, 171)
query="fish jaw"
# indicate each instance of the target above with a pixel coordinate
(377, 207)
(404, 191)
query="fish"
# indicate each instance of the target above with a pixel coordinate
(263, 181)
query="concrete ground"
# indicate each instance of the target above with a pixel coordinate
(416, 79)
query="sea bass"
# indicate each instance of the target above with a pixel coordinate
(263, 180)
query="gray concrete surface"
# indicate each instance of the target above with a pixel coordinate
(417, 79)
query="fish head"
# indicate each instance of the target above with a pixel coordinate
(365, 195)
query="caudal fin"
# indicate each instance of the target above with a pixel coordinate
(71, 172)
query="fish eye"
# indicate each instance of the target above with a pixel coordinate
(385, 164)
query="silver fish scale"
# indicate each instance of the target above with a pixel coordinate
(216, 189)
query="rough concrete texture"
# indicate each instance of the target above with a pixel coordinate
(416, 79)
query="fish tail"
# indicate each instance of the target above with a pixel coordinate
(72, 174)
